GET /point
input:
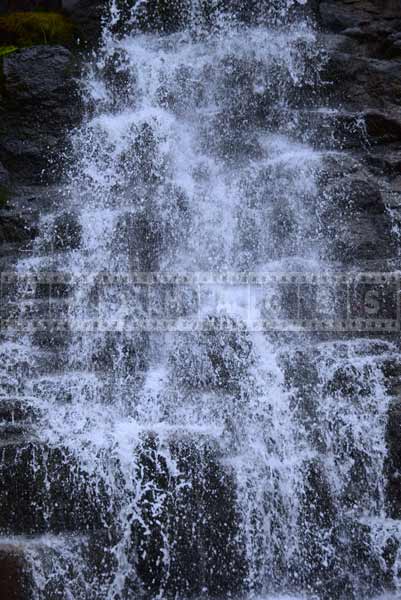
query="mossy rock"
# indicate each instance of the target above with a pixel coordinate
(31, 28)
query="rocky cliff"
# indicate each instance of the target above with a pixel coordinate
(363, 40)
(362, 116)
(355, 122)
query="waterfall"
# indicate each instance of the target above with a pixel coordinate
(182, 446)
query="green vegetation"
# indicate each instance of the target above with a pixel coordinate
(4, 50)
(21, 29)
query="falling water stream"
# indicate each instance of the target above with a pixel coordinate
(198, 454)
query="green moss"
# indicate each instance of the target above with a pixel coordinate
(4, 50)
(31, 28)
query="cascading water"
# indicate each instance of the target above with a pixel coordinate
(197, 454)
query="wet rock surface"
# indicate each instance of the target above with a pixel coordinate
(392, 372)
(38, 105)
(360, 179)
(206, 551)
(42, 490)
(364, 86)
(15, 582)
(87, 16)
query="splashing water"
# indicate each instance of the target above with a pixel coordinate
(219, 461)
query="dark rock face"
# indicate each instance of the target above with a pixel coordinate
(368, 83)
(18, 222)
(43, 491)
(392, 372)
(4, 176)
(14, 574)
(14, 229)
(169, 16)
(393, 466)
(87, 16)
(365, 66)
(38, 104)
(369, 18)
(365, 53)
(200, 520)
(353, 210)
(65, 506)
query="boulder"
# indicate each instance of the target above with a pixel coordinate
(38, 105)
(330, 540)
(316, 521)
(36, 74)
(363, 72)
(364, 237)
(120, 79)
(46, 567)
(392, 373)
(363, 50)
(14, 410)
(355, 193)
(329, 128)
(153, 233)
(183, 501)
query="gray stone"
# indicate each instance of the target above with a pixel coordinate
(366, 82)
(340, 15)
(37, 73)
(38, 104)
